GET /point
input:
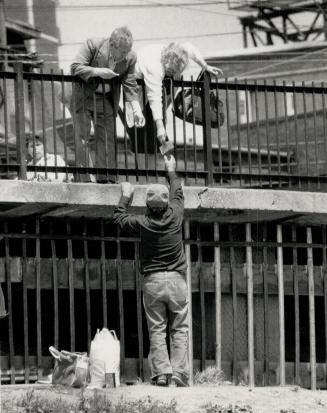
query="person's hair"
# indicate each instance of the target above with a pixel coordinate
(30, 138)
(121, 37)
(157, 212)
(174, 55)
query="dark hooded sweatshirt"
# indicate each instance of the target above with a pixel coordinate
(161, 247)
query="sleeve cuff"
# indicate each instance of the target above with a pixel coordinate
(135, 106)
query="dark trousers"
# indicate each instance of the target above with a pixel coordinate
(102, 116)
(144, 140)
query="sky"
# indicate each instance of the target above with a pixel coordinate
(210, 27)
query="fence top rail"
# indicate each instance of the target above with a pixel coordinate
(220, 84)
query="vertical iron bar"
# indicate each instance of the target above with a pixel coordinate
(249, 271)
(266, 307)
(296, 136)
(239, 156)
(20, 120)
(189, 288)
(9, 306)
(207, 141)
(103, 277)
(194, 134)
(217, 271)
(202, 301)
(5, 120)
(277, 134)
(296, 308)
(257, 130)
(87, 285)
(55, 287)
(315, 134)
(287, 134)
(281, 312)
(234, 304)
(324, 122)
(267, 132)
(324, 274)
(54, 123)
(25, 307)
(43, 105)
(138, 287)
(220, 160)
(120, 305)
(38, 302)
(312, 329)
(246, 91)
(64, 120)
(305, 134)
(229, 138)
(71, 287)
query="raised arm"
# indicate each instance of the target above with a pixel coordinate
(176, 196)
(127, 222)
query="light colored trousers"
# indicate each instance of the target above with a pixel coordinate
(165, 301)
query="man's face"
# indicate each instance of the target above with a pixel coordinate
(173, 70)
(39, 149)
(119, 53)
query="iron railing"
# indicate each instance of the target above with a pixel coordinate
(259, 298)
(274, 135)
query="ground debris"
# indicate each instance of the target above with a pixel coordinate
(216, 408)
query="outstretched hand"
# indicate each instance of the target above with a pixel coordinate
(170, 163)
(215, 71)
(127, 189)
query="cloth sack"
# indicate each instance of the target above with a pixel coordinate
(71, 369)
(104, 358)
(189, 107)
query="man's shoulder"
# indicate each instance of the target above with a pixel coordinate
(96, 42)
(131, 57)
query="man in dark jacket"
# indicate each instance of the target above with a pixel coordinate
(109, 58)
(163, 266)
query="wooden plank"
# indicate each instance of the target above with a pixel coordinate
(250, 306)
(296, 309)
(189, 289)
(312, 329)
(281, 312)
(217, 272)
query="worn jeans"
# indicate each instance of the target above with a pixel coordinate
(3, 311)
(165, 300)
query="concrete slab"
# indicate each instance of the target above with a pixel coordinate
(20, 198)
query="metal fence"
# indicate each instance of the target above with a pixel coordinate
(273, 135)
(259, 298)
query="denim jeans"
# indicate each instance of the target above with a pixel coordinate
(3, 311)
(165, 300)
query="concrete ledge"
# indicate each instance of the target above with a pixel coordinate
(21, 198)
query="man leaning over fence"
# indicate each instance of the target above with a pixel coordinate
(163, 265)
(109, 58)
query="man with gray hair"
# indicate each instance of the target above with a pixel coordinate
(163, 266)
(92, 101)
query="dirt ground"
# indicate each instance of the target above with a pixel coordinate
(193, 399)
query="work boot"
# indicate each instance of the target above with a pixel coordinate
(162, 380)
(179, 379)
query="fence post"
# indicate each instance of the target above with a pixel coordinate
(206, 116)
(20, 120)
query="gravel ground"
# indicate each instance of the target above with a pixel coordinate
(193, 399)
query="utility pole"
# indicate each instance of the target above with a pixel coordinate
(3, 32)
